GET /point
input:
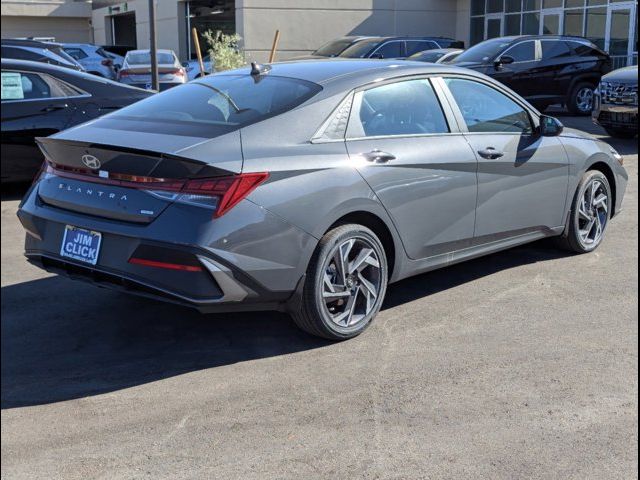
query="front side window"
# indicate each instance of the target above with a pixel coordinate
(522, 52)
(216, 105)
(486, 110)
(389, 50)
(403, 108)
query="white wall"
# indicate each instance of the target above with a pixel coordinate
(306, 24)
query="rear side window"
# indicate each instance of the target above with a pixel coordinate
(523, 52)
(415, 47)
(486, 110)
(583, 50)
(33, 86)
(404, 108)
(217, 105)
(76, 53)
(551, 50)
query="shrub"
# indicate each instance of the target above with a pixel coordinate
(224, 51)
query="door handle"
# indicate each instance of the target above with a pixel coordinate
(378, 156)
(490, 153)
(53, 108)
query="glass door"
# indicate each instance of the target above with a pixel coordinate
(493, 25)
(620, 36)
(551, 22)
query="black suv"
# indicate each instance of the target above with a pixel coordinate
(545, 69)
(380, 47)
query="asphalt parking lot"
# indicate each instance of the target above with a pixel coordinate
(518, 365)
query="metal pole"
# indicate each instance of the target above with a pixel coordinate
(153, 50)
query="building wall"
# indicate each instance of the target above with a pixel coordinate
(66, 20)
(306, 24)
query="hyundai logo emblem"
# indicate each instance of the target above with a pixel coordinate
(91, 162)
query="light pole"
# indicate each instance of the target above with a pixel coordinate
(155, 84)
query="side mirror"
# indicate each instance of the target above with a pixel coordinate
(185, 64)
(505, 60)
(550, 126)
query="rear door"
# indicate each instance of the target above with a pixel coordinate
(33, 105)
(407, 147)
(522, 176)
(557, 68)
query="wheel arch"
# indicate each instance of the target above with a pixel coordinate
(607, 171)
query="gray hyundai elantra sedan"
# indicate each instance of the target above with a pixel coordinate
(308, 187)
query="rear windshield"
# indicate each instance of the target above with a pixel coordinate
(145, 58)
(333, 49)
(217, 105)
(483, 52)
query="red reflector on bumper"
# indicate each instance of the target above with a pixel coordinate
(168, 266)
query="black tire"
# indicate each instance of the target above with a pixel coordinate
(625, 134)
(312, 315)
(574, 104)
(571, 239)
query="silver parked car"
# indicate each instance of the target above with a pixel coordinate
(310, 186)
(192, 68)
(136, 69)
(616, 103)
(440, 55)
(95, 60)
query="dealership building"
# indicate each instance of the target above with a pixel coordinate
(306, 24)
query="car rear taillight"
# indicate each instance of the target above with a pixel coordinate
(123, 73)
(220, 194)
(177, 72)
(107, 62)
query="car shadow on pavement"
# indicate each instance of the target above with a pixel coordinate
(64, 340)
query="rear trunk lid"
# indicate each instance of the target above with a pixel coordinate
(117, 181)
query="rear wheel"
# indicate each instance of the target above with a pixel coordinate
(590, 213)
(581, 99)
(616, 133)
(345, 285)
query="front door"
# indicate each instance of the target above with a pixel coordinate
(522, 176)
(422, 171)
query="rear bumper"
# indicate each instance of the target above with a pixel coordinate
(259, 268)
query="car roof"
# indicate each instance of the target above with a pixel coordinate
(542, 37)
(36, 66)
(13, 42)
(349, 71)
(146, 50)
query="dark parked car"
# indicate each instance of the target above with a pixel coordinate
(309, 186)
(40, 99)
(616, 104)
(334, 47)
(544, 69)
(397, 47)
(45, 52)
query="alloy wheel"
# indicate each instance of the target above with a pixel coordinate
(593, 213)
(584, 99)
(352, 282)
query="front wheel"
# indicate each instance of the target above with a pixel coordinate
(581, 99)
(590, 214)
(345, 285)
